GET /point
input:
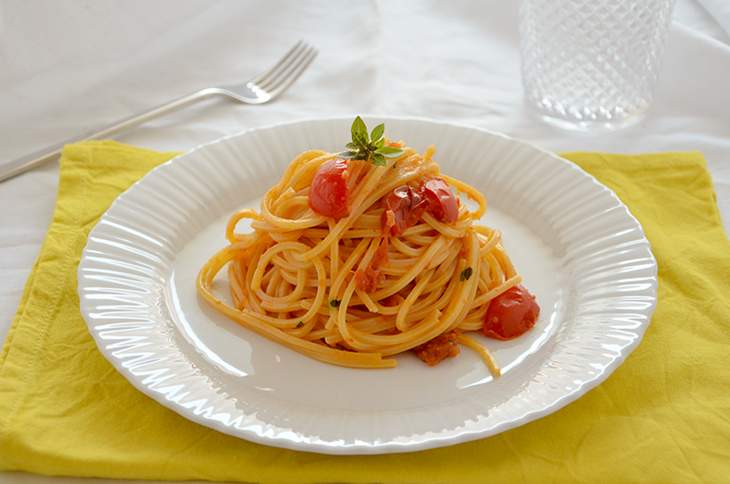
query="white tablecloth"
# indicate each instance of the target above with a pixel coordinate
(66, 67)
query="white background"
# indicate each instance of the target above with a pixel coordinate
(66, 67)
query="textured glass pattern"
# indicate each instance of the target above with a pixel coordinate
(588, 63)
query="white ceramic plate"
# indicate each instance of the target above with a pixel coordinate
(578, 247)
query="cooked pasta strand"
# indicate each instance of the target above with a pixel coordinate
(294, 277)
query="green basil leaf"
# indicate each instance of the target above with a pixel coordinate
(386, 150)
(359, 130)
(348, 155)
(465, 274)
(378, 159)
(359, 141)
(377, 132)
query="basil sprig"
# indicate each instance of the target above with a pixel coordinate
(370, 147)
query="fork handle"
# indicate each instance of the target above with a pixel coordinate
(27, 162)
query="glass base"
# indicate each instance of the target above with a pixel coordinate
(593, 126)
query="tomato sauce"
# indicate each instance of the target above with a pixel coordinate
(441, 347)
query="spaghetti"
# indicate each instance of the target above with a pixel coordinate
(374, 282)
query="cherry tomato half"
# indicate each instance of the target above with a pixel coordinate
(328, 193)
(407, 205)
(511, 314)
(441, 200)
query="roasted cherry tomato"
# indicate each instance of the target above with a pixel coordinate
(328, 193)
(441, 200)
(407, 205)
(511, 314)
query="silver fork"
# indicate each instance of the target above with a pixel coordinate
(260, 89)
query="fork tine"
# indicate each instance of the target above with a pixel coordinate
(274, 77)
(295, 72)
(293, 52)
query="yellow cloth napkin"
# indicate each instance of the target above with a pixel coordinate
(664, 416)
